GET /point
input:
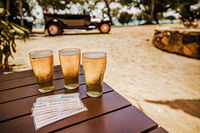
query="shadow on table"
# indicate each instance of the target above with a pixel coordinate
(190, 106)
(12, 68)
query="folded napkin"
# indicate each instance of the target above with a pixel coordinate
(49, 109)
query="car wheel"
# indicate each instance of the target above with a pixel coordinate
(54, 29)
(104, 28)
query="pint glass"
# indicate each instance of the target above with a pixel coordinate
(42, 64)
(94, 65)
(70, 64)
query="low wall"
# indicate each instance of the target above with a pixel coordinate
(178, 40)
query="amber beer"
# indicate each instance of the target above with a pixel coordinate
(42, 64)
(70, 64)
(94, 65)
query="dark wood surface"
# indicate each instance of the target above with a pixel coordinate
(27, 73)
(120, 121)
(106, 114)
(13, 82)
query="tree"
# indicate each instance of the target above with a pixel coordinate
(109, 10)
(187, 14)
(17, 13)
(144, 16)
(21, 12)
(171, 18)
(153, 16)
(153, 8)
(183, 7)
(125, 17)
(107, 3)
(8, 31)
(54, 4)
(7, 7)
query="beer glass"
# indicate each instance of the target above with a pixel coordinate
(42, 64)
(94, 65)
(70, 64)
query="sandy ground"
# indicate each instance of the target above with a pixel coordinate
(164, 86)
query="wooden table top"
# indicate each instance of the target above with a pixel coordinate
(110, 113)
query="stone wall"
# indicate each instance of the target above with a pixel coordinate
(178, 40)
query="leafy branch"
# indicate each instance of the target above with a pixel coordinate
(8, 32)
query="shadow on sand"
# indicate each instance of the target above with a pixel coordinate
(74, 34)
(190, 106)
(42, 34)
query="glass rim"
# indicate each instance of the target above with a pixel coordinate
(40, 53)
(94, 54)
(70, 50)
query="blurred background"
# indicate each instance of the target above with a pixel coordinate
(29, 13)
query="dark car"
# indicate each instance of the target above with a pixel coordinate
(56, 23)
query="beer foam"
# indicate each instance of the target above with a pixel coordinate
(69, 51)
(94, 55)
(41, 53)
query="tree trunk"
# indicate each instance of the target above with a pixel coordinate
(21, 12)
(7, 8)
(6, 62)
(108, 10)
(156, 19)
(1, 60)
(153, 4)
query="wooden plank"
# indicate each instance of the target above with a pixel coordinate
(96, 107)
(31, 90)
(82, 91)
(158, 130)
(28, 73)
(16, 83)
(126, 120)
(16, 75)
(25, 81)
(14, 109)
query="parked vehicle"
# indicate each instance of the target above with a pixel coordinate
(56, 23)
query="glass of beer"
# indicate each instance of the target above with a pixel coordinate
(94, 65)
(42, 64)
(70, 64)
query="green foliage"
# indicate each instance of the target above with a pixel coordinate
(2, 10)
(187, 15)
(144, 16)
(126, 2)
(58, 4)
(8, 31)
(125, 17)
(55, 4)
(180, 6)
(185, 10)
(145, 6)
(115, 12)
(14, 8)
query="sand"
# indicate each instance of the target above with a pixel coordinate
(164, 86)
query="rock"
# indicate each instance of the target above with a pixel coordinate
(178, 40)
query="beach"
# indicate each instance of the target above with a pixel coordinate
(165, 86)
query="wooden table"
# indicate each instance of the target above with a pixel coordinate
(110, 113)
